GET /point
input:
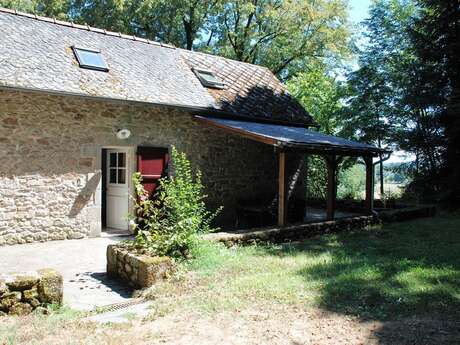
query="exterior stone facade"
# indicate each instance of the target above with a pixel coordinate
(50, 149)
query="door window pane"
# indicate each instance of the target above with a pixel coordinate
(113, 159)
(121, 176)
(113, 176)
(121, 159)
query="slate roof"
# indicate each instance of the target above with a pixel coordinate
(35, 53)
(249, 89)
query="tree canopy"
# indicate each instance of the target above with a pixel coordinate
(402, 88)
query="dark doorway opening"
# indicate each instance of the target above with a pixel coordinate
(103, 188)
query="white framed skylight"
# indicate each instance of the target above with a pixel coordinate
(90, 59)
(208, 79)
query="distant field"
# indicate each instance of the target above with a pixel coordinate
(393, 189)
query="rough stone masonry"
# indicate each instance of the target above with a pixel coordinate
(21, 293)
(138, 270)
(50, 149)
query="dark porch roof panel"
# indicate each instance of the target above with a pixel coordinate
(291, 137)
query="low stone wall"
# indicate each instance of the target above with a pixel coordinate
(292, 232)
(21, 293)
(137, 270)
(407, 213)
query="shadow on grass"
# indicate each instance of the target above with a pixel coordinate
(403, 269)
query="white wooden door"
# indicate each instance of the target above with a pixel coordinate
(117, 189)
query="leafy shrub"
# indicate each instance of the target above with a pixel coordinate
(352, 182)
(170, 223)
(316, 177)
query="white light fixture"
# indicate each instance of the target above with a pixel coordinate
(123, 134)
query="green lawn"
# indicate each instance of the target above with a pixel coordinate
(403, 269)
(396, 285)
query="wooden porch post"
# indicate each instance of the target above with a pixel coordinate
(282, 189)
(369, 202)
(331, 163)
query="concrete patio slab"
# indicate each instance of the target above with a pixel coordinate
(82, 264)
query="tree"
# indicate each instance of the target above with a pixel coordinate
(108, 14)
(178, 22)
(48, 8)
(397, 95)
(436, 38)
(283, 35)
(322, 94)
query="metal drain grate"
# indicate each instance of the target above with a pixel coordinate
(117, 306)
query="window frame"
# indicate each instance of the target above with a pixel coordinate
(215, 85)
(117, 168)
(92, 67)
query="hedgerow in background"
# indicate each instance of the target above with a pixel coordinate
(170, 223)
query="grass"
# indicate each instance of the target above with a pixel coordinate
(399, 270)
(11, 332)
(383, 274)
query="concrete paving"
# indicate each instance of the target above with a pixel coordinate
(82, 264)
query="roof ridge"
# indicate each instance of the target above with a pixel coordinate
(84, 27)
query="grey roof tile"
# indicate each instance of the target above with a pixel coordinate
(249, 89)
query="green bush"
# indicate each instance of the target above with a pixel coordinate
(170, 223)
(352, 183)
(351, 179)
(316, 177)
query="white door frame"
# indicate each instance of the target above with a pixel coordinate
(130, 168)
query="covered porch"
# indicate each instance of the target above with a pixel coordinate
(288, 139)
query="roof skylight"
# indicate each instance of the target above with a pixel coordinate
(90, 59)
(208, 79)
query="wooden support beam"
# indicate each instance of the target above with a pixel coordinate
(331, 162)
(369, 202)
(282, 188)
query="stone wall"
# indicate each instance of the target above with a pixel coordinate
(21, 293)
(50, 149)
(139, 271)
(294, 232)
(406, 213)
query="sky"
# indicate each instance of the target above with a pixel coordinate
(359, 10)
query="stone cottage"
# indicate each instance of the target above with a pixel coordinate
(82, 108)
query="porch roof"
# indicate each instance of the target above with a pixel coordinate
(294, 137)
